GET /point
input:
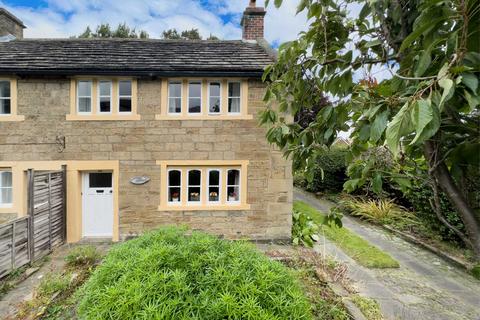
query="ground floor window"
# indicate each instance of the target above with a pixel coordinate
(186, 185)
(6, 193)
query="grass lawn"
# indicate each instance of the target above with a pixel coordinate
(356, 247)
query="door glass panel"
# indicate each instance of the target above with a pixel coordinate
(100, 180)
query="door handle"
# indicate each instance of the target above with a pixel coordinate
(100, 191)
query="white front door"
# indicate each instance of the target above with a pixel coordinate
(97, 204)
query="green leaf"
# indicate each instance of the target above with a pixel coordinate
(471, 81)
(301, 6)
(448, 91)
(399, 126)
(422, 114)
(418, 32)
(278, 3)
(378, 126)
(377, 183)
(351, 185)
(373, 43)
(423, 63)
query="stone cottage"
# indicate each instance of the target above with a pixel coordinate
(152, 132)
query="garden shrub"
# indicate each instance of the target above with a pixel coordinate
(168, 274)
(382, 212)
(304, 229)
(419, 197)
(334, 167)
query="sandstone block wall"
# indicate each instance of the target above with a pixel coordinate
(139, 144)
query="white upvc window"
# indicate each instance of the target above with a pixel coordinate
(194, 188)
(233, 186)
(234, 97)
(174, 186)
(125, 96)
(195, 97)
(214, 97)
(105, 96)
(6, 189)
(214, 185)
(84, 96)
(175, 97)
(5, 98)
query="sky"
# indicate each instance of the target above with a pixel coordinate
(65, 18)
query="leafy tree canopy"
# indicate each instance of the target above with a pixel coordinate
(105, 31)
(427, 109)
(192, 34)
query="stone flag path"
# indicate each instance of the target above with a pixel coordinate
(424, 287)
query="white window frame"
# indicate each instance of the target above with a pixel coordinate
(201, 98)
(9, 204)
(239, 185)
(228, 97)
(100, 96)
(219, 186)
(220, 97)
(125, 96)
(78, 96)
(180, 82)
(199, 202)
(178, 203)
(7, 98)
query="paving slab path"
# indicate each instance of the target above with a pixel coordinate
(424, 287)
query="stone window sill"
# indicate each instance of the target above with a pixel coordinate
(11, 118)
(233, 207)
(107, 117)
(204, 117)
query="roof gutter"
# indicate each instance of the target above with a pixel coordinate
(133, 73)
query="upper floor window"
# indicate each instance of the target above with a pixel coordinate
(103, 99)
(84, 96)
(234, 97)
(105, 96)
(195, 97)
(125, 96)
(204, 99)
(214, 97)
(5, 98)
(5, 188)
(175, 97)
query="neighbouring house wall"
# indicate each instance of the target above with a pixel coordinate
(138, 145)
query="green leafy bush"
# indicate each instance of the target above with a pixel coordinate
(329, 171)
(304, 229)
(82, 256)
(476, 271)
(168, 274)
(419, 197)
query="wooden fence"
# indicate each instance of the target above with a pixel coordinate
(30, 238)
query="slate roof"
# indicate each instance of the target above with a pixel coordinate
(133, 57)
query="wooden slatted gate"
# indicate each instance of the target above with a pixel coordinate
(30, 238)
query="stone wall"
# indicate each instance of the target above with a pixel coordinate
(8, 26)
(138, 144)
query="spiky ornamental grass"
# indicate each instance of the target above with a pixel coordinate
(168, 274)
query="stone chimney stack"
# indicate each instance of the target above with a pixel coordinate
(253, 22)
(10, 25)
